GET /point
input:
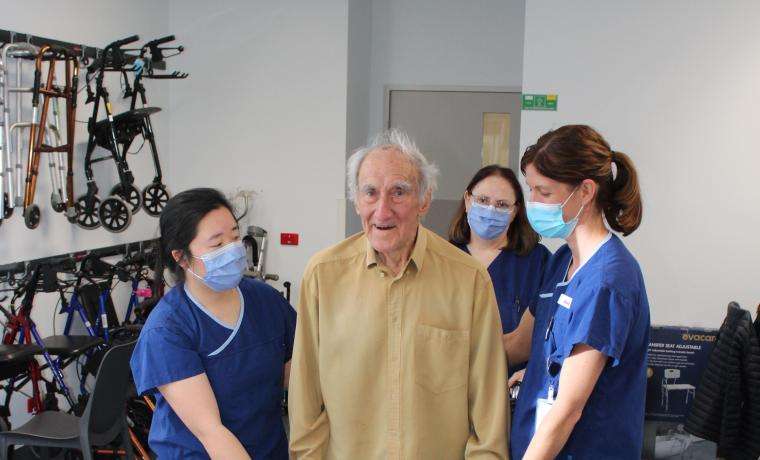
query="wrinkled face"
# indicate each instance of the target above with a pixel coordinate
(215, 229)
(388, 201)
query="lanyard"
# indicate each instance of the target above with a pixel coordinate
(550, 326)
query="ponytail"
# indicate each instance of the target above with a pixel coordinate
(573, 153)
(622, 207)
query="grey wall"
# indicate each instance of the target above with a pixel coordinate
(427, 43)
(359, 64)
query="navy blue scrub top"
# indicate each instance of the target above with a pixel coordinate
(516, 281)
(604, 306)
(243, 362)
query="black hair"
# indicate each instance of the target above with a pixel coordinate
(178, 225)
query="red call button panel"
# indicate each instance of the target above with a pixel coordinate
(289, 239)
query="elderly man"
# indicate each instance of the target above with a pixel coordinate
(398, 351)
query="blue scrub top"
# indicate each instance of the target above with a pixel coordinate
(604, 306)
(243, 362)
(516, 281)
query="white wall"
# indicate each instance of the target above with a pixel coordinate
(93, 23)
(444, 43)
(674, 85)
(264, 109)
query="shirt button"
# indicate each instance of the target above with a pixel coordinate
(382, 274)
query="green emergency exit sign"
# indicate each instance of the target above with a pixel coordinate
(539, 102)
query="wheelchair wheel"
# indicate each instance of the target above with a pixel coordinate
(87, 212)
(154, 198)
(131, 195)
(7, 206)
(32, 216)
(115, 214)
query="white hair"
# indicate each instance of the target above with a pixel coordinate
(427, 172)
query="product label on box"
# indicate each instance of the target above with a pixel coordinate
(677, 358)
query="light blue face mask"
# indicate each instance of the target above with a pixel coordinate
(546, 219)
(486, 221)
(224, 267)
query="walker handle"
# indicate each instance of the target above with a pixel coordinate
(123, 41)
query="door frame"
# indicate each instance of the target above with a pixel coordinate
(449, 88)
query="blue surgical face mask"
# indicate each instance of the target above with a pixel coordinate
(486, 221)
(224, 267)
(546, 219)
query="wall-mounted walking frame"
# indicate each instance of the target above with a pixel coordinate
(10, 151)
(50, 91)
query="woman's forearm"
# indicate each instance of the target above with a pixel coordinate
(220, 443)
(553, 433)
(579, 374)
(517, 343)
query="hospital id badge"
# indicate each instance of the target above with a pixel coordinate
(543, 406)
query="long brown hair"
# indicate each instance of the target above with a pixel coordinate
(573, 153)
(521, 238)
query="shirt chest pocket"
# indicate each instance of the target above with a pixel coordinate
(441, 358)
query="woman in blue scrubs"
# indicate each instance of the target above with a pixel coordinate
(216, 348)
(491, 225)
(584, 387)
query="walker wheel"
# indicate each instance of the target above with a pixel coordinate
(154, 198)
(57, 204)
(7, 206)
(131, 195)
(87, 212)
(115, 214)
(32, 217)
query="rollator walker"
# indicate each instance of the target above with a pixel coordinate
(137, 120)
(116, 133)
(113, 213)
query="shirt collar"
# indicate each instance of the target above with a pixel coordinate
(418, 252)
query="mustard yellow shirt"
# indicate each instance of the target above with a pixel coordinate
(404, 367)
